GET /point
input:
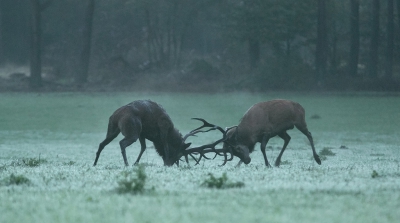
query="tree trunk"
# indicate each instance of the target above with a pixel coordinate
(374, 44)
(355, 38)
(389, 40)
(322, 43)
(82, 74)
(15, 16)
(254, 52)
(333, 54)
(35, 54)
(36, 43)
(398, 13)
(1, 38)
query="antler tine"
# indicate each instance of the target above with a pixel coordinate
(196, 130)
(226, 159)
(224, 151)
(202, 150)
(207, 124)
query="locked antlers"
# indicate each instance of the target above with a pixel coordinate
(202, 150)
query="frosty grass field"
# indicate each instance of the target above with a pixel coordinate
(360, 182)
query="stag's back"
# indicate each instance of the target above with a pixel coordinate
(271, 117)
(151, 115)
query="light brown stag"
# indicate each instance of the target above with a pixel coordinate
(263, 121)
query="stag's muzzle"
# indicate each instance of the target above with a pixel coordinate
(246, 160)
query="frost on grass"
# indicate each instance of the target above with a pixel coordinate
(220, 182)
(28, 162)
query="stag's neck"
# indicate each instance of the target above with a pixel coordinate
(245, 137)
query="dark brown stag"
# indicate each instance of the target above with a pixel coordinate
(145, 119)
(263, 121)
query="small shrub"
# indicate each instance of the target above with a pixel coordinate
(286, 162)
(29, 162)
(326, 152)
(220, 183)
(15, 180)
(70, 163)
(374, 174)
(132, 182)
(33, 162)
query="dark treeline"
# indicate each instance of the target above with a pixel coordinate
(209, 44)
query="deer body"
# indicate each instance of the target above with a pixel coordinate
(263, 121)
(144, 119)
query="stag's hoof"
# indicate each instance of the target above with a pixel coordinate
(317, 159)
(268, 165)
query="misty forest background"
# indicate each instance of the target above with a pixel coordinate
(200, 45)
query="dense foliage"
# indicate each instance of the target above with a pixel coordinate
(255, 44)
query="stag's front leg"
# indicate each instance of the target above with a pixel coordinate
(142, 141)
(264, 142)
(286, 138)
(123, 144)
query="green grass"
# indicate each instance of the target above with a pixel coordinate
(358, 184)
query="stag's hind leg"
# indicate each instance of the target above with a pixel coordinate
(125, 143)
(131, 130)
(112, 133)
(286, 138)
(305, 131)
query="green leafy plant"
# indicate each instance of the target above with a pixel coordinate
(70, 163)
(29, 162)
(3, 167)
(374, 174)
(220, 182)
(132, 182)
(326, 151)
(32, 162)
(15, 180)
(286, 162)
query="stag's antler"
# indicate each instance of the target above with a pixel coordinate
(209, 147)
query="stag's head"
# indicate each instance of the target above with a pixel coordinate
(233, 145)
(176, 146)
